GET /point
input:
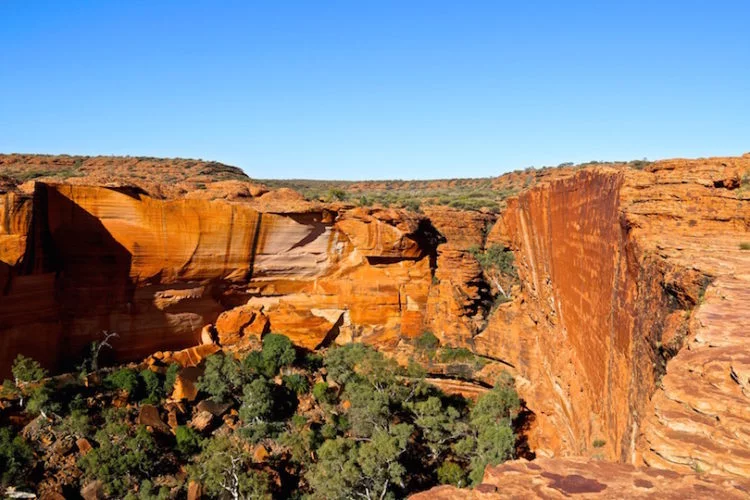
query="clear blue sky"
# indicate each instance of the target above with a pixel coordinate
(376, 89)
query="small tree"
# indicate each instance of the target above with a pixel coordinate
(171, 377)
(278, 351)
(221, 377)
(492, 438)
(188, 441)
(154, 390)
(451, 473)
(15, 457)
(91, 363)
(124, 379)
(257, 402)
(26, 370)
(224, 468)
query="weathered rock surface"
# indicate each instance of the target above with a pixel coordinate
(612, 263)
(612, 334)
(77, 260)
(582, 478)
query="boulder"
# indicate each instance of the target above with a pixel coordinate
(149, 416)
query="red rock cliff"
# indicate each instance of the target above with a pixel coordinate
(77, 260)
(613, 263)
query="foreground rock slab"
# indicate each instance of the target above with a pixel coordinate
(583, 478)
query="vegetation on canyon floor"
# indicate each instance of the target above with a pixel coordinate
(274, 422)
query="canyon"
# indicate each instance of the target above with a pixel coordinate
(625, 328)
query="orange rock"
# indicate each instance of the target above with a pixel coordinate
(546, 478)
(239, 323)
(202, 421)
(93, 491)
(148, 415)
(84, 446)
(260, 454)
(184, 386)
(195, 491)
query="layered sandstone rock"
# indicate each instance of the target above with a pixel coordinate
(612, 335)
(613, 262)
(582, 478)
(81, 259)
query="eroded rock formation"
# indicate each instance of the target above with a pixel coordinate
(81, 259)
(628, 327)
(550, 479)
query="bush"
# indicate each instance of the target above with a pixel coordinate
(171, 378)
(188, 441)
(496, 257)
(125, 455)
(599, 443)
(225, 467)
(221, 377)
(451, 473)
(321, 392)
(154, 390)
(427, 344)
(745, 245)
(27, 370)
(123, 379)
(296, 383)
(278, 351)
(15, 458)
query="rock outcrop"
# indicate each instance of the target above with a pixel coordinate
(77, 260)
(614, 265)
(628, 326)
(550, 479)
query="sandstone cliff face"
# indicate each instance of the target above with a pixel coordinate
(628, 326)
(613, 263)
(80, 259)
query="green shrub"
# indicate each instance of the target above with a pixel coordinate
(225, 467)
(451, 473)
(497, 258)
(15, 458)
(427, 344)
(153, 387)
(221, 377)
(321, 392)
(277, 352)
(745, 245)
(296, 383)
(125, 455)
(188, 441)
(171, 378)
(599, 443)
(27, 370)
(123, 379)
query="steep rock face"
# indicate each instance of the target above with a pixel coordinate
(458, 298)
(86, 259)
(613, 262)
(576, 477)
(578, 364)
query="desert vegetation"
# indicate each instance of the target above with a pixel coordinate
(269, 423)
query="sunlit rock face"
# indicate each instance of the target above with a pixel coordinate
(77, 260)
(560, 478)
(627, 324)
(631, 320)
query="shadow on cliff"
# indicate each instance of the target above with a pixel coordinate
(92, 289)
(522, 425)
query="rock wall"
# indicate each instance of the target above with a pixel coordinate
(77, 260)
(578, 362)
(628, 326)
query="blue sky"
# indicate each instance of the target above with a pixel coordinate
(376, 89)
